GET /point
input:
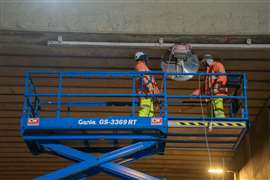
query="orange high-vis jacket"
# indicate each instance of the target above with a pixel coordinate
(149, 85)
(211, 81)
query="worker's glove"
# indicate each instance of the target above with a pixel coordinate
(218, 87)
(157, 104)
(156, 100)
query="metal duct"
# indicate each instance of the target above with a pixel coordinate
(159, 45)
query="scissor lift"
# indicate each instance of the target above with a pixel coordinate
(141, 136)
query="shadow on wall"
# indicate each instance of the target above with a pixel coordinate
(253, 156)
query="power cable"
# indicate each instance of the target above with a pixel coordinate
(205, 128)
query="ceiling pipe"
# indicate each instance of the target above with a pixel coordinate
(160, 45)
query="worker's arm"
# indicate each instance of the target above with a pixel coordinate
(154, 86)
(138, 86)
(222, 80)
(143, 68)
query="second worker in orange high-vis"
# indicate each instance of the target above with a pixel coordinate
(214, 86)
(145, 85)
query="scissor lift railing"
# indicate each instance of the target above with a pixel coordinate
(146, 135)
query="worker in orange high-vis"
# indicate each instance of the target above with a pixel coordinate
(147, 85)
(214, 86)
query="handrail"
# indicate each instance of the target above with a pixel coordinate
(60, 75)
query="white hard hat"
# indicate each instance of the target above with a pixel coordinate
(207, 59)
(140, 56)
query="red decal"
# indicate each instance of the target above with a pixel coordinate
(156, 121)
(33, 122)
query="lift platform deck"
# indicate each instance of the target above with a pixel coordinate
(53, 121)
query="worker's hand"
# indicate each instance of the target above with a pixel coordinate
(157, 107)
(196, 92)
(156, 102)
(151, 89)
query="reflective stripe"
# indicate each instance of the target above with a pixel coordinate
(147, 107)
(206, 124)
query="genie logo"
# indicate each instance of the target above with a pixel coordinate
(86, 122)
(156, 121)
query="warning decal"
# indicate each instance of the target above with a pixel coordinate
(33, 122)
(156, 121)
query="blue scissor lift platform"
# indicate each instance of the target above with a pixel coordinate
(124, 138)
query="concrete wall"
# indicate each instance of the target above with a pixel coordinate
(253, 156)
(138, 16)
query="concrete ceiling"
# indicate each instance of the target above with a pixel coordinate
(138, 17)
